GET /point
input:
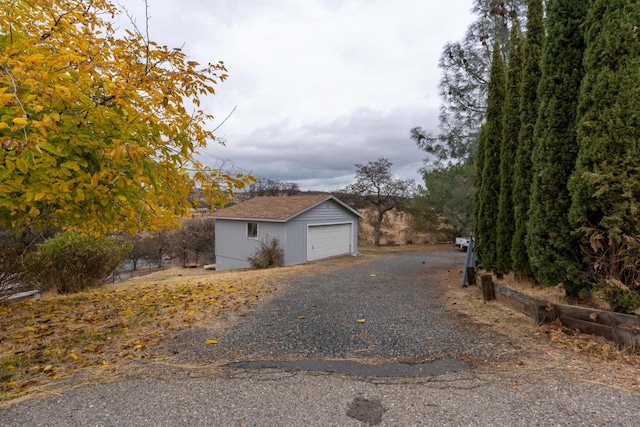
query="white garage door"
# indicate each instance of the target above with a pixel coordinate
(328, 240)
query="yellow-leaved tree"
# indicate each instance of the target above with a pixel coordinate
(99, 126)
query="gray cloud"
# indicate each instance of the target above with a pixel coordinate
(319, 85)
(322, 155)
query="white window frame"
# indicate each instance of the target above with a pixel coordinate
(249, 236)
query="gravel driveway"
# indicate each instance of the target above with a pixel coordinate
(399, 305)
(312, 322)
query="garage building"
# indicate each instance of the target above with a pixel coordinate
(308, 227)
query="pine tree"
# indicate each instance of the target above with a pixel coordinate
(506, 222)
(552, 248)
(605, 186)
(465, 66)
(490, 179)
(528, 113)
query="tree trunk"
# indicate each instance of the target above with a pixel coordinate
(376, 229)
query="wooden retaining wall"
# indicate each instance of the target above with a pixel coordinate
(624, 329)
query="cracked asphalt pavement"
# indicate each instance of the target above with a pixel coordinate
(303, 358)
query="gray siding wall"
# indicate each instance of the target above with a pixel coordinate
(326, 213)
(233, 247)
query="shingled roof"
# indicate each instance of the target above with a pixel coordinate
(277, 208)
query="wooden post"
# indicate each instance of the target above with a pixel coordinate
(471, 276)
(486, 283)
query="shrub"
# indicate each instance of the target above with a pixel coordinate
(70, 262)
(193, 242)
(268, 254)
(621, 298)
(11, 268)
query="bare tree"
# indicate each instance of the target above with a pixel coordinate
(377, 188)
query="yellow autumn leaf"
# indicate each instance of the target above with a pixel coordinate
(3, 125)
(191, 312)
(209, 342)
(361, 320)
(73, 356)
(22, 165)
(11, 383)
(47, 368)
(20, 121)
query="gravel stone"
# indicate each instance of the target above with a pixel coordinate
(316, 317)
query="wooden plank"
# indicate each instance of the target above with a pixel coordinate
(589, 327)
(540, 311)
(608, 318)
(623, 329)
(512, 299)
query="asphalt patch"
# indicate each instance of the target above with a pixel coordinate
(355, 369)
(367, 411)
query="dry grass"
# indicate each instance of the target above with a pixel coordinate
(102, 331)
(548, 351)
(107, 333)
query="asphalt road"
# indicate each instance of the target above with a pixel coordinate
(302, 358)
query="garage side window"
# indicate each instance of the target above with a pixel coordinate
(252, 230)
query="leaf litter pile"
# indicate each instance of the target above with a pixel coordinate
(101, 331)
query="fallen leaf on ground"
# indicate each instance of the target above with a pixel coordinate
(209, 342)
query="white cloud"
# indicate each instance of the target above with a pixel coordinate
(319, 85)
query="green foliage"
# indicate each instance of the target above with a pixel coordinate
(489, 185)
(70, 262)
(621, 298)
(268, 254)
(482, 142)
(554, 253)
(529, 112)
(449, 196)
(506, 222)
(605, 186)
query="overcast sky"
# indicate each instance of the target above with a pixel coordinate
(317, 85)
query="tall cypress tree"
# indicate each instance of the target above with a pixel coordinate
(605, 186)
(553, 250)
(490, 179)
(479, 163)
(528, 113)
(506, 222)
